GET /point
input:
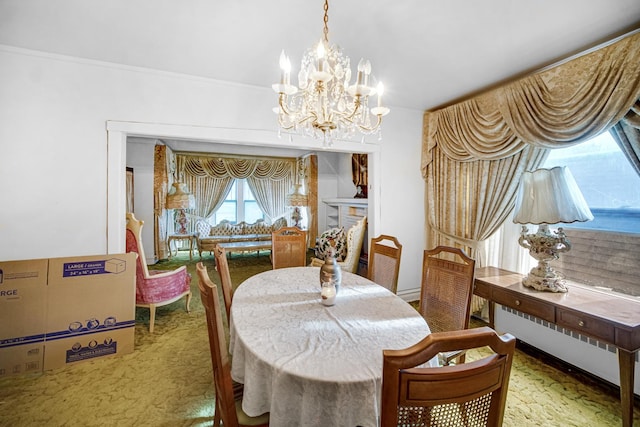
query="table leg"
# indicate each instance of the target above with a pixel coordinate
(169, 247)
(626, 362)
(492, 314)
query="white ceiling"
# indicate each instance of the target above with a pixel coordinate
(427, 53)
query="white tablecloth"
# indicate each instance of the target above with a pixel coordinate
(312, 365)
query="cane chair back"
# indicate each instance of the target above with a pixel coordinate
(469, 394)
(228, 404)
(447, 287)
(384, 261)
(288, 248)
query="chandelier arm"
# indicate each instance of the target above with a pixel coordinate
(282, 102)
(356, 108)
(374, 127)
(284, 126)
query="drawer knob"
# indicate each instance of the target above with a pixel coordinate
(581, 323)
(517, 302)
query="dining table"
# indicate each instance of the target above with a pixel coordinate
(309, 364)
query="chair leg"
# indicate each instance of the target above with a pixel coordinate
(216, 415)
(188, 302)
(152, 317)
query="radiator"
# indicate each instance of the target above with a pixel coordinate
(588, 354)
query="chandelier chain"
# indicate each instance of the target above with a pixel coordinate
(326, 21)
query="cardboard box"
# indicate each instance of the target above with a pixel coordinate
(23, 296)
(90, 308)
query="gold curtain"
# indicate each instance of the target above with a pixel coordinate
(161, 174)
(210, 178)
(560, 106)
(475, 151)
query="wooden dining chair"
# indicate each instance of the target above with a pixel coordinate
(384, 261)
(222, 266)
(228, 398)
(446, 290)
(288, 248)
(472, 393)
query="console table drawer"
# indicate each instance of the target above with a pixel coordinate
(588, 325)
(533, 307)
(482, 290)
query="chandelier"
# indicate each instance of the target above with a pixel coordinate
(325, 104)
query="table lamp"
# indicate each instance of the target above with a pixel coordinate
(180, 198)
(296, 199)
(548, 196)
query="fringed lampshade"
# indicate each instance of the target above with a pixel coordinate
(296, 197)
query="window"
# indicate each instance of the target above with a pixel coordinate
(607, 180)
(239, 205)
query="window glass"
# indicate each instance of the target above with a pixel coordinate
(239, 205)
(252, 211)
(607, 180)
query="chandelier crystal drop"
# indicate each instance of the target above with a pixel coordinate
(326, 104)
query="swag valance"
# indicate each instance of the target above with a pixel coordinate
(238, 168)
(210, 178)
(573, 101)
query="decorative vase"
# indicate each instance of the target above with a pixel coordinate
(330, 272)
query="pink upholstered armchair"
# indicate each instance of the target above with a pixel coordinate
(155, 288)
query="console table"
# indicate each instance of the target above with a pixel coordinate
(191, 238)
(608, 317)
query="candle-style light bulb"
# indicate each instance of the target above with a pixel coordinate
(320, 53)
(380, 90)
(285, 66)
(367, 71)
(360, 71)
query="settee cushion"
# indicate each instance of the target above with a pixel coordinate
(260, 227)
(224, 228)
(333, 240)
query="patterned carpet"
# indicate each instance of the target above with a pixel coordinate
(167, 380)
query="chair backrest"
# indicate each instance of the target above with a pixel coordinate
(384, 261)
(288, 247)
(447, 287)
(225, 401)
(134, 243)
(355, 238)
(222, 266)
(472, 393)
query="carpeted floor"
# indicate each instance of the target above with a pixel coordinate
(167, 380)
